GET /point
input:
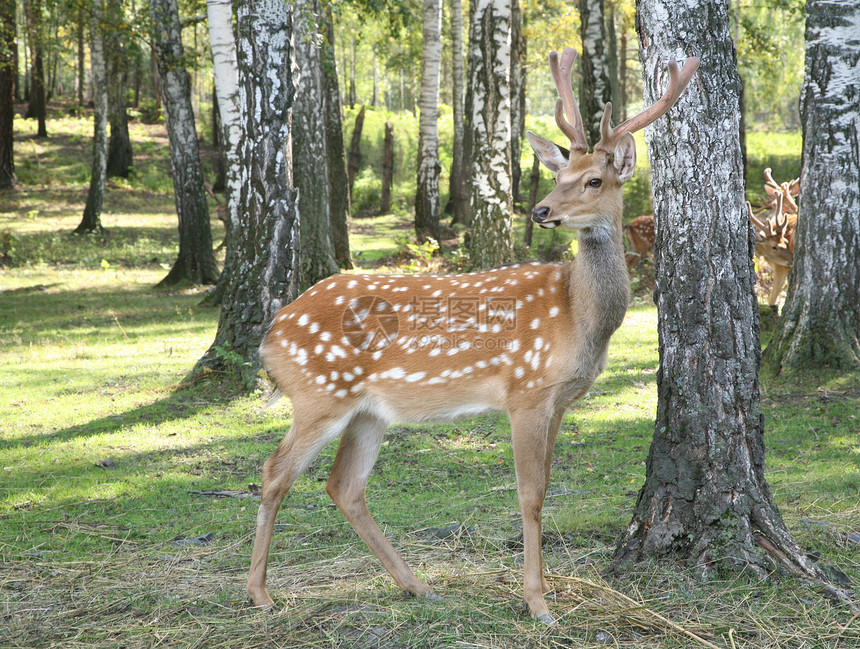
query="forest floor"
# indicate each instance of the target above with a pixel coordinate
(127, 498)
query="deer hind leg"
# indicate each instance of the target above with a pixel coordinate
(307, 437)
(534, 434)
(356, 455)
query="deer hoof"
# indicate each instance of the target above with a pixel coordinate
(547, 619)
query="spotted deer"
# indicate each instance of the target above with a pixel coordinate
(774, 241)
(641, 236)
(775, 234)
(356, 352)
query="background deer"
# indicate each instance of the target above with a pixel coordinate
(775, 232)
(641, 236)
(356, 352)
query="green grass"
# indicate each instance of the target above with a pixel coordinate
(103, 453)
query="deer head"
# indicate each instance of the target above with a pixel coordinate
(588, 185)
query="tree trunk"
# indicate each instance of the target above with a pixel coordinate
(612, 60)
(820, 324)
(387, 168)
(490, 126)
(622, 71)
(518, 97)
(119, 158)
(355, 149)
(225, 69)
(533, 190)
(338, 181)
(8, 77)
(705, 498)
(427, 194)
(310, 154)
(196, 261)
(458, 199)
(265, 273)
(596, 91)
(92, 218)
(81, 72)
(37, 107)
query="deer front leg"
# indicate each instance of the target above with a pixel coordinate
(534, 436)
(779, 275)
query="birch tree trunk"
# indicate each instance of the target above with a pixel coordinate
(596, 91)
(705, 498)
(820, 324)
(264, 275)
(225, 67)
(427, 194)
(310, 153)
(196, 261)
(490, 126)
(458, 200)
(518, 96)
(8, 78)
(338, 182)
(92, 218)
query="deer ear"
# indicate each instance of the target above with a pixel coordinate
(553, 156)
(624, 159)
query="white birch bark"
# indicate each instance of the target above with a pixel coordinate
(226, 73)
(490, 125)
(427, 194)
(596, 91)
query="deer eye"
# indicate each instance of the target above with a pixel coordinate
(595, 182)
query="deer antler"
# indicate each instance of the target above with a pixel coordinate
(572, 126)
(678, 80)
(762, 226)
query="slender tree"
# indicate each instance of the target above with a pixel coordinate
(195, 261)
(310, 153)
(8, 77)
(458, 200)
(490, 133)
(596, 90)
(427, 194)
(92, 218)
(820, 324)
(37, 108)
(705, 498)
(338, 182)
(518, 96)
(225, 69)
(264, 276)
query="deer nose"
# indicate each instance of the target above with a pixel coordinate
(539, 214)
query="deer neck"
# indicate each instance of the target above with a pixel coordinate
(599, 284)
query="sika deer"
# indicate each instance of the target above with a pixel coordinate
(356, 352)
(641, 236)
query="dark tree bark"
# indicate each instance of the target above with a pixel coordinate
(534, 182)
(354, 161)
(518, 97)
(264, 276)
(820, 324)
(387, 168)
(310, 154)
(196, 261)
(427, 192)
(8, 77)
(37, 107)
(120, 157)
(338, 181)
(596, 91)
(705, 498)
(490, 127)
(458, 197)
(612, 59)
(92, 218)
